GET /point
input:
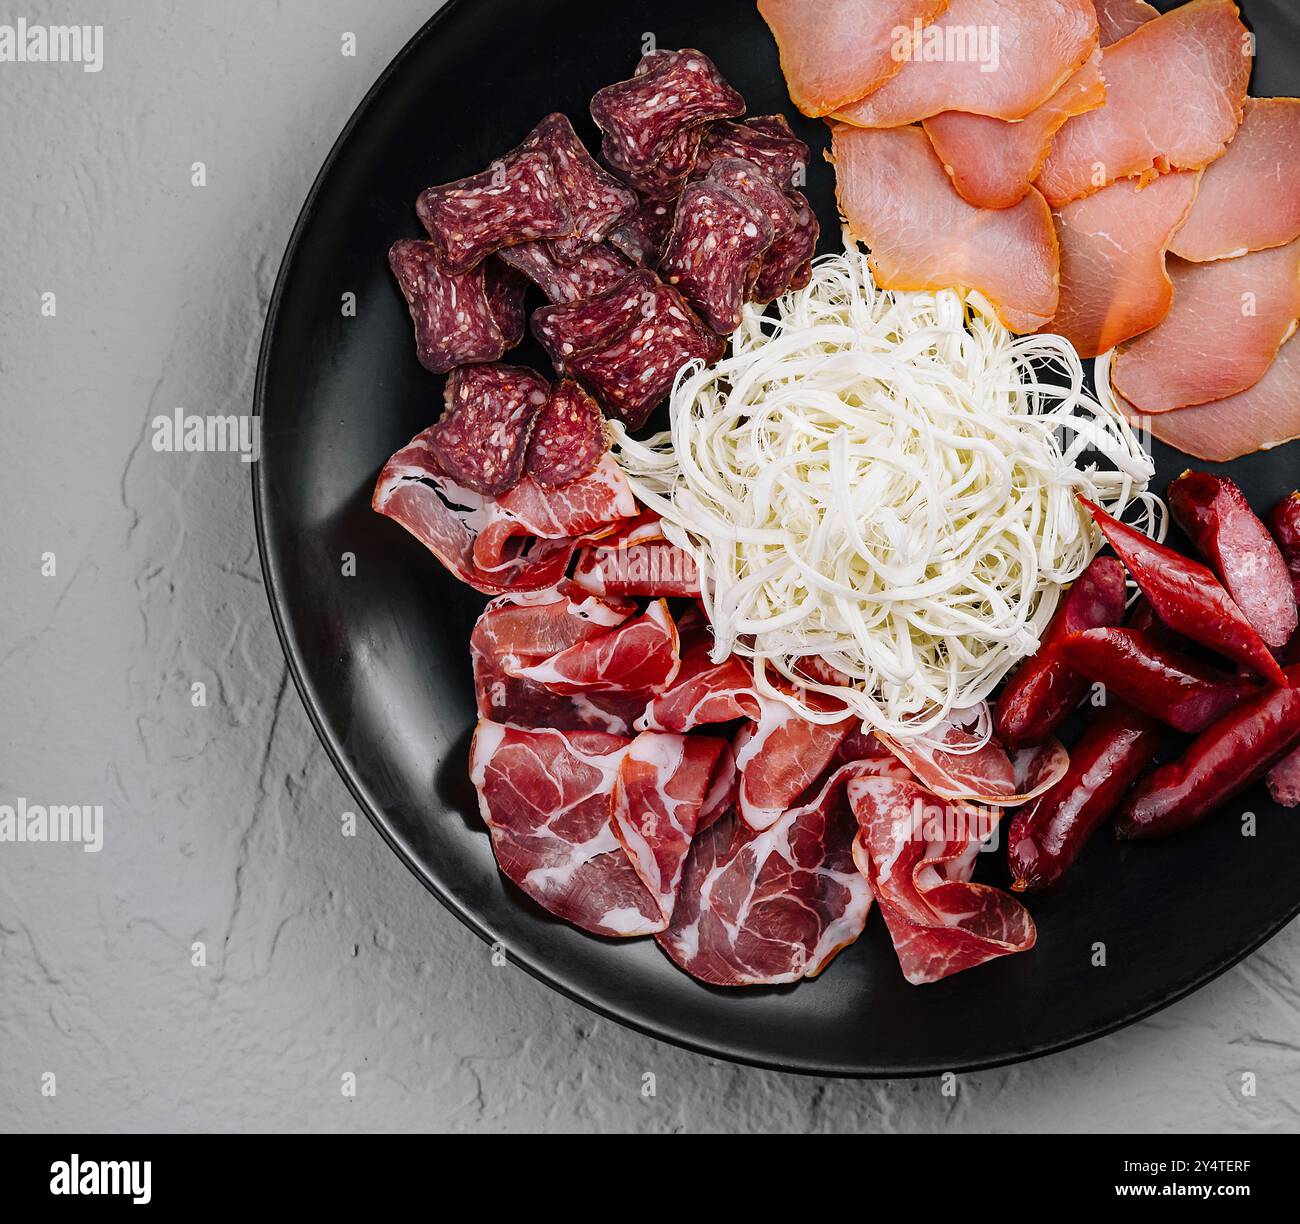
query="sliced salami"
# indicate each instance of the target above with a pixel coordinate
(665, 176)
(711, 254)
(788, 261)
(750, 183)
(565, 330)
(482, 437)
(506, 293)
(642, 235)
(592, 271)
(765, 140)
(568, 437)
(595, 199)
(453, 316)
(517, 199)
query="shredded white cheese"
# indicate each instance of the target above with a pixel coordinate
(885, 482)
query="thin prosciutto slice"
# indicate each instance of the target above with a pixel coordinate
(1114, 284)
(546, 797)
(636, 560)
(896, 198)
(1250, 198)
(1002, 58)
(993, 162)
(1227, 322)
(1175, 92)
(757, 909)
(664, 786)
(836, 51)
(1259, 419)
(918, 857)
(1119, 18)
(703, 692)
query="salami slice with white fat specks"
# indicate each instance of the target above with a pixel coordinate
(665, 176)
(506, 292)
(592, 271)
(717, 237)
(642, 235)
(568, 437)
(517, 199)
(788, 262)
(765, 140)
(564, 331)
(596, 200)
(453, 316)
(750, 183)
(482, 437)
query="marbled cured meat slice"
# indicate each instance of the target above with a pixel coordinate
(568, 437)
(641, 236)
(896, 198)
(564, 331)
(1226, 324)
(596, 201)
(704, 692)
(993, 162)
(765, 140)
(589, 272)
(653, 568)
(918, 857)
(1258, 419)
(1175, 89)
(453, 316)
(1250, 198)
(1114, 284)
(834, 52)
(1119, 18)
(715, 250)
(482, 437)
(518, 199)
(507, 291)
(764, 908)
(1002, 58)
(787, 263)
(546, 797)
(664, 784)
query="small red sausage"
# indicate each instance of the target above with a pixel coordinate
(1285, 522)
(1044, 691)
(1218, 520)
(1047, 834)
(1220, 763)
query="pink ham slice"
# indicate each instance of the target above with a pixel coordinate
(704, 692)
(992, 162)
(897, 199)
(1175, 91)
(1250, 198)
(661, 795)
(1002, 58)
(546, 797)
(1114, 285)
(1259, 419)
(836, 51)
(1119, 18)
(759, 909)
(940, 922)
(1227, 322)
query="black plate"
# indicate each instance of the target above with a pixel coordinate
(381, 660)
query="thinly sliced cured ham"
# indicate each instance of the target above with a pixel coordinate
(546, 797)
(704, 692)
(1259, 419)
(940, 922)
(1119, 18)
(660, 796)
(834, 52)
(759, 909)
(1227, 322)
(1250, 198)
(993, 162)
(1002, 58)
(897, 199)
(1175, 92)
(1114, 284)
(655, 568)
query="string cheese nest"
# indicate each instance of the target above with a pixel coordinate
(884, 483)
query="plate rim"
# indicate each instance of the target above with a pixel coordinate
(377, 816)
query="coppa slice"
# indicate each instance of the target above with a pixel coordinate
(1114, 284)
(1002, 58)
(1175, 91)
(993, 162)
(834, 52)
(1259, 419)
(897, 199)
(1250, 198)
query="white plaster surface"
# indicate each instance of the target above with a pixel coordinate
(324, 955)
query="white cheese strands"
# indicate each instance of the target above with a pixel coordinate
(882, 481)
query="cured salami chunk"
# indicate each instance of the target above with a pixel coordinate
(765, 140)
(453, 316)
(482, 438)
(506, 292)
(565, 330)
(642, 235)
(595, 199)
(788, 261)
(568, 437)
(717, 240)
(749, 182)
(593, 271)
(664, 177)
(517, 199)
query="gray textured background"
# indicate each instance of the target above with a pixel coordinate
(222, 823)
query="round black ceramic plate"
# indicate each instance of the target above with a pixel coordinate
(381, 660)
